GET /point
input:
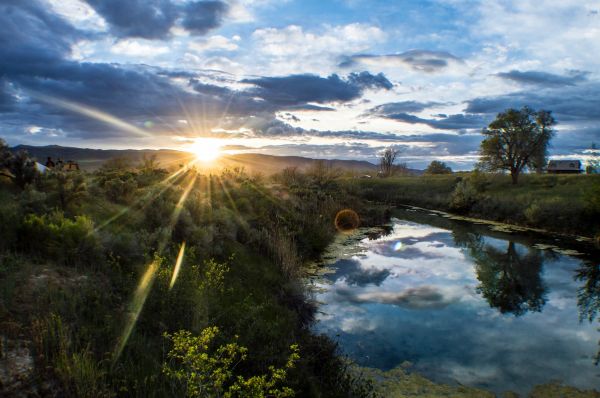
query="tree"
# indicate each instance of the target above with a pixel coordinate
(437, 167)
(19, 167)
(593, 162)
(516, 140)
(386, 161)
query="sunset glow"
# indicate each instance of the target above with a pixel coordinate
(206, 149)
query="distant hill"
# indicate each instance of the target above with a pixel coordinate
(91, 159)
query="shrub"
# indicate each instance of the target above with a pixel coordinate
(68, 241)
(206, 369)
(464, 196)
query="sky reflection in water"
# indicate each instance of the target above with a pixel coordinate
(462, 306)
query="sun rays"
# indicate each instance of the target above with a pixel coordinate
(214, 190)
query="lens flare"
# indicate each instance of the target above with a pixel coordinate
(136, 305)
(346, 221)
(177, 266)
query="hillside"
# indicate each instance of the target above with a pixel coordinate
(91, 159)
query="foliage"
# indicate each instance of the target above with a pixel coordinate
(208, 370)
(387, 158)
(78, 371)
(438, 167)
(19, 167)
(67, 241)
(465, 195)
(517, 139)
(593, 162)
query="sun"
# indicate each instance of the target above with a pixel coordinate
(206, 149)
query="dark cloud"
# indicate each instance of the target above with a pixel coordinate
(149, 19)
(544, 78)
(570, 103)
(310, 107)
(401, 107)
(418, 60)
(422, 297)
(301, 89)
(202, 16)
(444, 122)
(368, 81)
(354, 274)
(153, 19)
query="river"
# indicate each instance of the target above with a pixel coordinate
(459, 302)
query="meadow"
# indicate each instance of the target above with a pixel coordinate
(568, 204)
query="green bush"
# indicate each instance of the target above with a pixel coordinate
(464, 196)
(67, 241)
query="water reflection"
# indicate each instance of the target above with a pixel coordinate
(588, 296)
(464, 305)
(510, 279)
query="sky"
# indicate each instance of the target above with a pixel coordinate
(324, 79)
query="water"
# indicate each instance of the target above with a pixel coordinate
(463, 303)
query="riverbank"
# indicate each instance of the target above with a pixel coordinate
(567, 204)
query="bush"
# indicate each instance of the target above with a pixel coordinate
(67, 241)
(464, 196)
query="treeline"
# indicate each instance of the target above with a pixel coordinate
(138, 281)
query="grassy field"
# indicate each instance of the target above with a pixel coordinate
(560, 203)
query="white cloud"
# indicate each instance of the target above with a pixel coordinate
(561, 34)
(138, 48)
(79, 14)
(294, 50)
(216, 42)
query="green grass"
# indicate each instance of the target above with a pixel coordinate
(561, 203)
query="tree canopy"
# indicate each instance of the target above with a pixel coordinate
(438, 167)
(517, 139)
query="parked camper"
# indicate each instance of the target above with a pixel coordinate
(568, 166)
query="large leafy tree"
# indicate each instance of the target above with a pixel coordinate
(516, 140)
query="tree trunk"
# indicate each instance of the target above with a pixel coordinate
(514, 174)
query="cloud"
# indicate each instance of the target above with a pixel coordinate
(417, 60)
(153, 19)
(444, 122)
(570, 103)
(137, 48)
(149, 19)
(214, 43)
(401, 107)
(544, 78)
(202, 16)
(301, 89)
(401, 111)
(422, 297)
(294, 49)
(354, 274)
